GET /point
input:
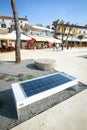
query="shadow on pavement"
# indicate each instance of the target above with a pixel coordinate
(32, 66)
(8, 108)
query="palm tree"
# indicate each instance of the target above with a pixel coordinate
(63, 26)
(17, 44)
(68, 34)
(80, 37)
(55, 24)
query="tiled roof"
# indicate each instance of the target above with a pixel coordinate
(78, 26)
(9, 17)
(85, 27)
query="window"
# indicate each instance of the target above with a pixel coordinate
(74, 30)
(2, 19)
(21, 26)
(3, 25)
(13, 27)
(79, 32)
(58, 28)
(84, 32)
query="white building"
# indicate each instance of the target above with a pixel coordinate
(82, 30)
(7, 22)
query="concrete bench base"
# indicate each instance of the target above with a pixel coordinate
(45, 64)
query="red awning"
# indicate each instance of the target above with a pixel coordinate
(31, 41)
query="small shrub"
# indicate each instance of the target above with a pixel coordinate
(20, 75)
(22, 78)
(11, 79)
(31, 76)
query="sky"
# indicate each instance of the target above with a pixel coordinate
(46, 11)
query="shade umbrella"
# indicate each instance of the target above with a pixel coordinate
(46, 39)
(52, 39)
(24, 37)
(12, 36)
(84, 40)
(2, 37)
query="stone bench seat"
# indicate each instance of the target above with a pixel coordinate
(45, 64)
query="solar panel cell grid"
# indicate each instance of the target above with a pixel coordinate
(42, 84)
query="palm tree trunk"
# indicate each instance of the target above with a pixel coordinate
(67, 46)
(17, 44)
(63, 33)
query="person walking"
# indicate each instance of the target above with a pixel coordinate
(57, 46)
(54, 46)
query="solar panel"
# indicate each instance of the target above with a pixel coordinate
(28, 92)
(42, 84)
(33, 90)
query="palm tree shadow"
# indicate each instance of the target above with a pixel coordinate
(10, 61)
(7, 62)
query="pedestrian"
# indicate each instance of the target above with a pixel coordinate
(54, 45)
(57, 46)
